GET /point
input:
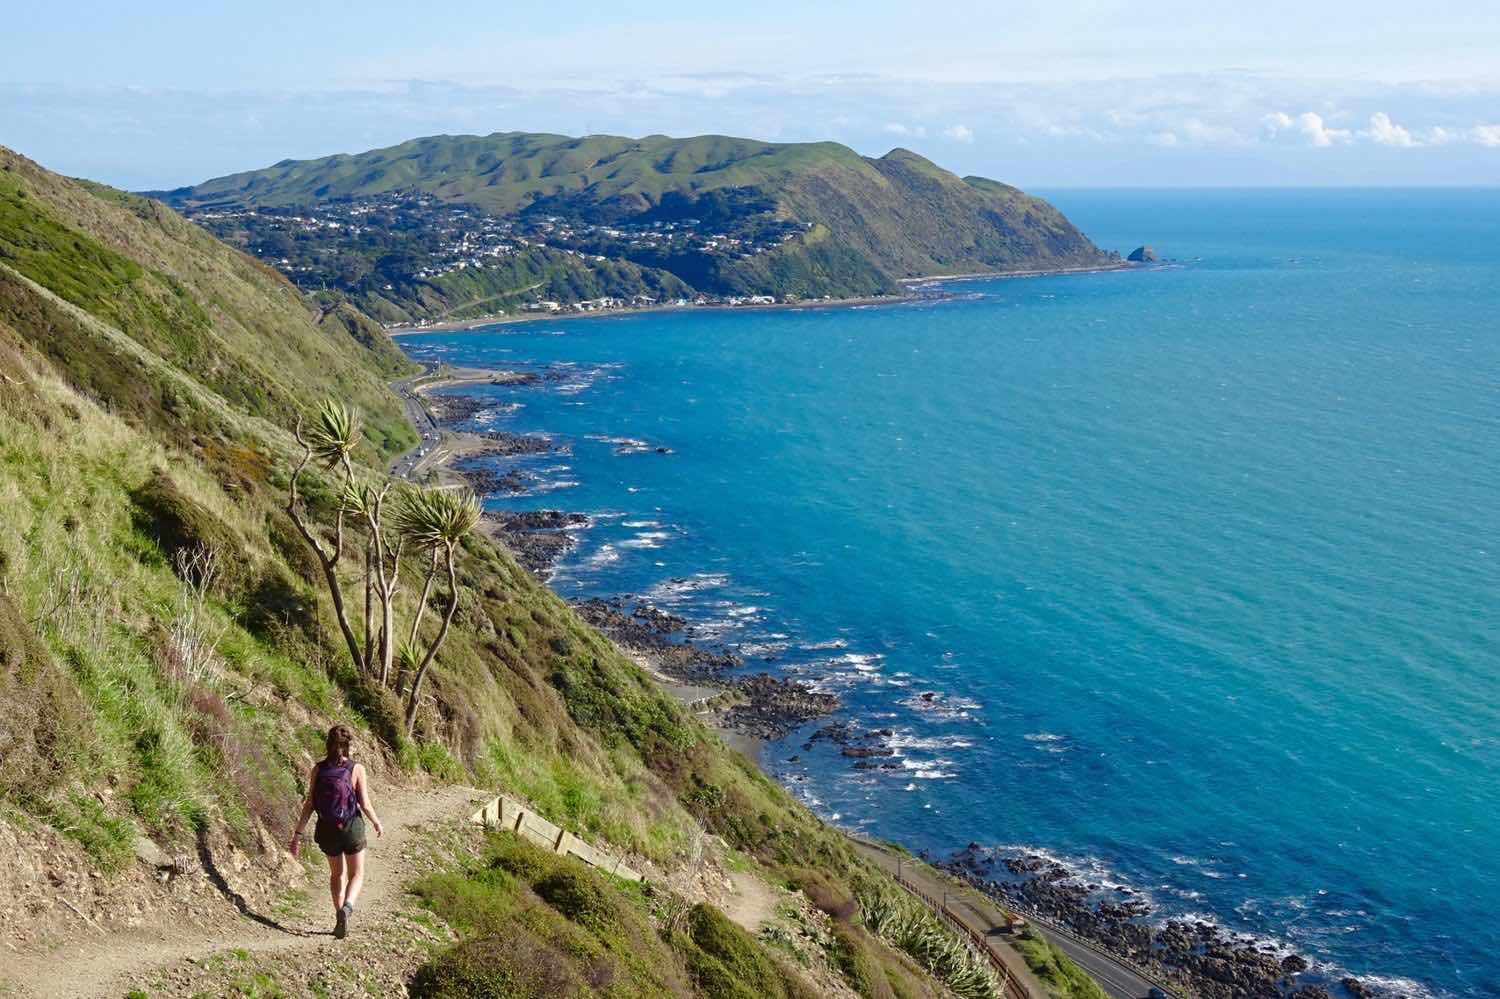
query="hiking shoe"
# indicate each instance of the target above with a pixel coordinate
(341, 923)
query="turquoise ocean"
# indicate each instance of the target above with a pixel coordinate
(1197, 566)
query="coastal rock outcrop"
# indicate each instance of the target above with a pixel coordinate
(1142, 255)
(768, 707)
(1212, 963)
(537, 538)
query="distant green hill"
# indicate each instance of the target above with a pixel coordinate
(866, 222)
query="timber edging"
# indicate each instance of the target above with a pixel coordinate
(507, 813)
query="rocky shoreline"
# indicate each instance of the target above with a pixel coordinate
(537, 538)
(758, 705)
(1198, 955)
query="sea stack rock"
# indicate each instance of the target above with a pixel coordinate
(1142, 255)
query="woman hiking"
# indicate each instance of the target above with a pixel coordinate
(339, 792)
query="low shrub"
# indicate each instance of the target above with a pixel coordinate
(520, 858)
(580, 897)
(275, 603)
(377, 704)
(512, 964)
(852, 956)
(823, 891)
(725, 962)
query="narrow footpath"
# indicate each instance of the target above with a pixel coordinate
(113, 964)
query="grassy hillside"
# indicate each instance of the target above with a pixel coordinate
(870, 221)
(508, 171)
(149, 378)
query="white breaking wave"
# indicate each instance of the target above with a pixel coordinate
(1084, 870)
(905, 740)
(673, 590)
(646, 539)
(832, 643)
(604, 556)
(865, 662)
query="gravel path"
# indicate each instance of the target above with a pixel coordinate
(121, 961)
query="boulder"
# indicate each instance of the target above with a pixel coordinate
(1142, 255)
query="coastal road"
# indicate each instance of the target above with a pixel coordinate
(987, 919)
(421, 419)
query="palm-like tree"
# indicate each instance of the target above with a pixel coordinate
(436, 521)
(331, 439)
(334, 435)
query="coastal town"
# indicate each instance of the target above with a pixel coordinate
(391, 243)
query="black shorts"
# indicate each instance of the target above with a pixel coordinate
(334, 841)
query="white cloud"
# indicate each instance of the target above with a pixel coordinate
(1387, 133)
(1308, 126)
(1182, 128)
(1485, 136)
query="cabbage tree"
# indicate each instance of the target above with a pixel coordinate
(330, 440)
(435, 521)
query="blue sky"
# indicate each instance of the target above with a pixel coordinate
(1044, 94)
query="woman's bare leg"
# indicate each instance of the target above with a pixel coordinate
(336, 879)
(355, 864)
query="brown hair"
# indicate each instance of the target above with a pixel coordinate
(340, 740)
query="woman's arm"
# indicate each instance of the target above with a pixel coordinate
(307, 810)
(362, 788)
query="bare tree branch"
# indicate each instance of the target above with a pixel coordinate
(416, 684)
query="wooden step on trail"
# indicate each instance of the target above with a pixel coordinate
(507, 813)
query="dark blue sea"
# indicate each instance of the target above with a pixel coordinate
(1187, 576)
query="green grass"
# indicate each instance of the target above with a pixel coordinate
(536, 924)
(435, 759)
(1056, 970)
(107, 840)
(506, 171)
(232, 325)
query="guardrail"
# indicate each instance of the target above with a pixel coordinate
(1009, 984)
(1046, 921)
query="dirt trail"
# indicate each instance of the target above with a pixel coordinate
(114, 964)
(753, 903)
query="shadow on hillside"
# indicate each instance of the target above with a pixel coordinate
(217, 879)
